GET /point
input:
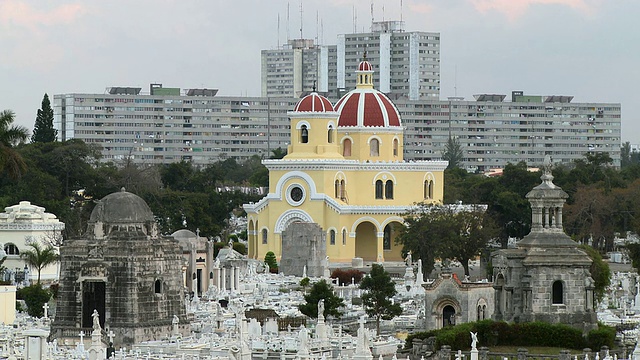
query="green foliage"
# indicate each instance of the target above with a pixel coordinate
(491, 333)
(599, 270)
(379, 289)
(453, 153)
(332, 302)
(633, 249)
(344, 276)
(43, 130)
(35, 297)
(240, 247)
(11, 163)
(270, 259)
(305, 282)
(39, 256)
(429, 227)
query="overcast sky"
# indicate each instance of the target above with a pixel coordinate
(586, 48)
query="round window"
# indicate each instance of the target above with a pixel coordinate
(296, 194)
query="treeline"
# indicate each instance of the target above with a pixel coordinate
(602, 199)
(67, 177)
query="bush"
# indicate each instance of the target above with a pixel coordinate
(602, 336)
(270, 259)
(344, 276)
(34, 296)
(240, 247)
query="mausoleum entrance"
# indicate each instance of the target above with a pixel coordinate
(448, 316)
(93, 298)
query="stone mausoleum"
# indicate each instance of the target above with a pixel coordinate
(123, 268)
(546, 277)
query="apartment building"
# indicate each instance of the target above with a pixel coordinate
(407, 64)
(169, 124)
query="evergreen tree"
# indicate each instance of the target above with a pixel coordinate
(379, 289)
(453, 153)
(332, 302)
(43, 130)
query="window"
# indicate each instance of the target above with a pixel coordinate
(557, 292)
(158, 286)
(346, 147)
(386, 240)
(304, 134)
(344, 236)
(336, 189)
(330, 135)
(374, 147)
(395, 147)
(388, 189)
(264, 236)
(343, 191)
(11, 249)
(428, 189)
(332, 237)
(378, 189)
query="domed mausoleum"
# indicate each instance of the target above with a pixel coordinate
(123, 269)
(345, 172)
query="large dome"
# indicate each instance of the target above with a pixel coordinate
(366, 108)
(314, 102)
(121, 207)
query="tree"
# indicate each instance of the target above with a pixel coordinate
(38, 257)
(278, 153)
(379, 289)
(332, 302)
(600, 272)
(11, 162)
(625, 155)
(270, 259)
(43, 130)
(453, 153)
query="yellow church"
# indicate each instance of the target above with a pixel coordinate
(344, 171)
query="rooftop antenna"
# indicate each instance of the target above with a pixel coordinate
(455, 81)
(355, 20)
(382, 12)
(322, 31)
(278, 42)
(400, 10)
(317, 27)
(300, 19)
(288, 36)
(372, 12)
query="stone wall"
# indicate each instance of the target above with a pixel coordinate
(303, 244)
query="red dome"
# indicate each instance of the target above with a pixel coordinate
(314, 103)
(365, 66)
(367, 108)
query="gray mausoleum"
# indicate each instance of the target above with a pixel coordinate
(123, 269)
(546, 277)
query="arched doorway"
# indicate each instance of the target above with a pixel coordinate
(253, 245)
(448, 316)
(392, 252)
(366, 241)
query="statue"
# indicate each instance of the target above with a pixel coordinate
(175, 320)
(96, 320)
(474, 340)
(408, 259)
(321, 309)
(547, 165)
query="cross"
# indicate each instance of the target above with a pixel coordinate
(46, 310)
(82, 334)
(362, 321)
(111, 335)
(459, 355)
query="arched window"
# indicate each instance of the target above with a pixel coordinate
(379, 189)
(388, 189)
(428, 189)
(337, 189)
(374, 147)
(332, 237)
(344, 236)
(264, 236)
(304, 134)
(395, 147)
(11, 249)
(330, 135)
(158, 286)
(346, 147)
(343, 191)
(557, 292)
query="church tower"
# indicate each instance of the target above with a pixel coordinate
(546, 278)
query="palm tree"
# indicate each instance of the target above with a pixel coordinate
(10, 135)
(39, 257)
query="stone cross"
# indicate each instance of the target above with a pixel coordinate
(82, 334)
(111, 335)
(46, 310)
(460, 355)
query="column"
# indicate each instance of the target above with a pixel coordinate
(380, 247)
(224, 279)
(559, 217)
(232, 287)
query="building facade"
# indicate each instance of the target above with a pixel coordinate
(407, 64)
(344, 171)
(165, 128)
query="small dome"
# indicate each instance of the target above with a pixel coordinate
(366, 108)
(184, 234)
(314, 102)
(121, 207)
(365, 66)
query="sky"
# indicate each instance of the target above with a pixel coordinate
(589, 49)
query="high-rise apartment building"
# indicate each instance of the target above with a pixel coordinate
(407, 64)
(168, 125)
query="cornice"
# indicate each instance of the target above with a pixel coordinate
(354, 165)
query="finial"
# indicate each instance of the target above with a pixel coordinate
(546, 165)
(122, 189)
(364, 56)
(314, 86)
